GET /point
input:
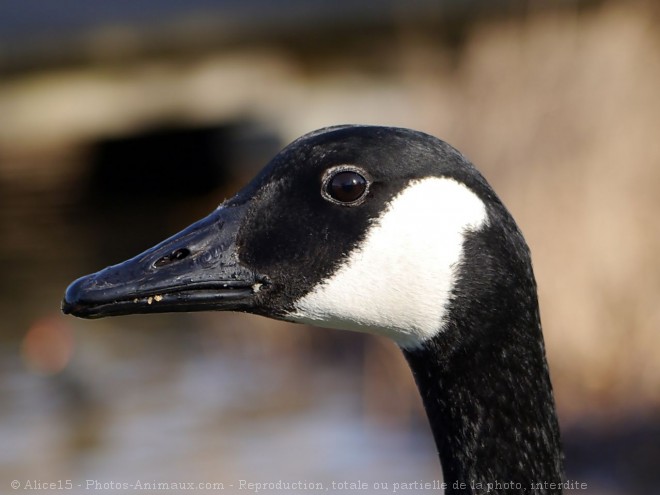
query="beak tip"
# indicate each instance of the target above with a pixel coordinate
(68, 308)
(71, 304)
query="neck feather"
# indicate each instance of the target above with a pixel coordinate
(491, 409)
(484, 376)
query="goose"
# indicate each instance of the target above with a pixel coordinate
(387, 231)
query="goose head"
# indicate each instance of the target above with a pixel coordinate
(353, 227)
(387, 231)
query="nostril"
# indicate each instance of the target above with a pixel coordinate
(179, 254)
(176, 255)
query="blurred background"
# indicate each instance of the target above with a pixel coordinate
(121, 122)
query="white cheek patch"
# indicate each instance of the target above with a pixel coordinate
(398, 282)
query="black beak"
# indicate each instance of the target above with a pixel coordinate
(195, 270)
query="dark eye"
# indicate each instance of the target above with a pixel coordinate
(346, 186)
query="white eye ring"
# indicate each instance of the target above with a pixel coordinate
(345, 185)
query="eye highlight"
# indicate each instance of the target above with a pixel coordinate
(345, 186)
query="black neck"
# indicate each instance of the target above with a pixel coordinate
(491, 409)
